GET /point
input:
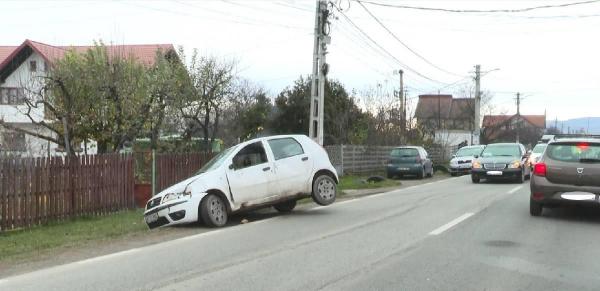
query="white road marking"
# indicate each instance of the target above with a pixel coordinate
(515, 189)
(450, 224)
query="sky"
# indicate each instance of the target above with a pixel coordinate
(551, 56)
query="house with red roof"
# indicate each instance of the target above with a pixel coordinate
(508, 128)
(20, 70)
(447, 120)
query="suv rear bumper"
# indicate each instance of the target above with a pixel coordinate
(546, 192)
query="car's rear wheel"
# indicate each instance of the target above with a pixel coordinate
(453, 174)
(475, 179)
(421, 174)
(213, 211)
(324, 190)
(430, 175)
(535, 208)
(285, 207)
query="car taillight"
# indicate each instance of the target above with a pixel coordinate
(540, 169)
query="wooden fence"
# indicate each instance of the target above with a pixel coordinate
(175, 167)
(360, 159)
(38, 190)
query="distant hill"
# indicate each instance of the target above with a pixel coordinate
(577, 124)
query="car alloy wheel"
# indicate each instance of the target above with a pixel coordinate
(213, 211)
(324, 190)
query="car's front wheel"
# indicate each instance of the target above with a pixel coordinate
(475, 179)
(324, 190)
(286, 206)
(213, 211)
(535, 208)
(521, 177)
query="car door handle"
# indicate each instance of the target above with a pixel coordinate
(304, 159)
(266, 169)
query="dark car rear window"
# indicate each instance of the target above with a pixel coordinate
(405, 152)
(574, 152)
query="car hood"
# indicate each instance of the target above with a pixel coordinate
(498, 160)
(180, 187)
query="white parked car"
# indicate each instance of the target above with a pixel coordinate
(462, 160)
(269, 171)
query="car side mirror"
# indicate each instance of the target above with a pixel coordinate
(476, 156)
(231, 166)
(453, 156)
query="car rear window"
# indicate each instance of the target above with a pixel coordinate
(574, 152)
(538, 149)
(285, 147)
(406, 152)
(501, 151)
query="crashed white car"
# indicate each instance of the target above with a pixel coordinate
(270, 171)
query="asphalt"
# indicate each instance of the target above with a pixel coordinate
(444, 235)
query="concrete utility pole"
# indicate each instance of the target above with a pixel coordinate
(477, 126)
(518, 115)
(402, 97)
(320, 69)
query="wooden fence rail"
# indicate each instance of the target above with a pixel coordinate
(35, 191)
(174, 167)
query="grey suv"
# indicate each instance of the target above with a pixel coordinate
(567, 173)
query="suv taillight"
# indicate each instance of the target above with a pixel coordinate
(540, 169)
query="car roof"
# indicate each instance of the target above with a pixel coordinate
(408, 147)
(576, 139)
(504, 143)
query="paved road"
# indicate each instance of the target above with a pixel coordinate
(445, 235)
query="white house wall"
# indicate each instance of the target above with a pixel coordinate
(23, 78)
(452, 137)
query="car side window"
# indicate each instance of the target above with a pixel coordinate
(285, 147)
(251, 155)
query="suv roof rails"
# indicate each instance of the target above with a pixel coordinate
(575, 135)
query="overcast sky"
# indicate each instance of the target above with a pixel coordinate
(552, 55)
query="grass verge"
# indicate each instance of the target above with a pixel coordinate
(29, 242)
(348, 182)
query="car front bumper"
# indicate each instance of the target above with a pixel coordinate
(499, 174)
(456, 169)
(174, 212)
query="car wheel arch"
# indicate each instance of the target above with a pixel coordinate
(324, 172)
(220, 194)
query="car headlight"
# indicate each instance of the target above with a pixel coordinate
(476, 165)
(172, 196)
(515, 165)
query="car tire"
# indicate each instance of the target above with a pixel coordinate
(390, 175)
(286, 206)
(535, 208)
(453, 174)
(421, 174)
(430, 175)
(475, 179)
(213, 211)
(324, 190)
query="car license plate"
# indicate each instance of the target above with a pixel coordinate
(494, 173)
(403, 169)
(578, 196)
(151, 218)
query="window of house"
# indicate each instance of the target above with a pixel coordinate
(45, 66)
(12, 96)
(13, 141)
(251, 155)
(285, 147)
(33, 66)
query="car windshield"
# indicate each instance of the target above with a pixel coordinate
(574, 152)
(539, 148)
(501, 151)
(404, 152)
(468, 152)
(216, 161)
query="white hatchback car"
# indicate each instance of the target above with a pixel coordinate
(269, 171)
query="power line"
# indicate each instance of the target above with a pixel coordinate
(384, 50)
(403, 43)
(476, 10)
